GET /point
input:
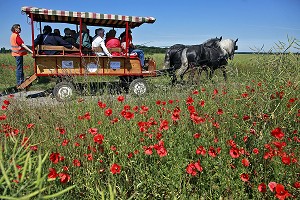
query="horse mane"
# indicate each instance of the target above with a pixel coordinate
(212, 42)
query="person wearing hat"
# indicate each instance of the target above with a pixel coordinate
(99, 42)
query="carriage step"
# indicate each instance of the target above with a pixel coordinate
(27, 82)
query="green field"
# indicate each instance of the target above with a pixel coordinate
(207, 140)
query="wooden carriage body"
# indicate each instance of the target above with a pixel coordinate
(77, 62)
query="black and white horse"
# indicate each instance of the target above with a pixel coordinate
(211, 58)
(204, 57)
(175, 60)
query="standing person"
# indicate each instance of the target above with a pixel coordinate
(18, 50)
(99, 42)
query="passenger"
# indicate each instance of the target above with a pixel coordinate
(112, 42)
(68, 37)
(99, 42)
(48, 38)
(86, 43)
(132, 48)
(57, 32)
(96, 35)
(74, 34)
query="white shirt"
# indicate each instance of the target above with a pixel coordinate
(99, 42)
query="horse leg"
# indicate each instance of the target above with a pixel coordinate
(184, 64)
(224, 73)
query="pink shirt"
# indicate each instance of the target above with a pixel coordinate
(113, 42)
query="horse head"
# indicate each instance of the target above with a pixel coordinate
(229, 46)
(213, 42)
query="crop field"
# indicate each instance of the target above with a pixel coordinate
(202, 139)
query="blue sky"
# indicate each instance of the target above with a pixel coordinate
(256, 23)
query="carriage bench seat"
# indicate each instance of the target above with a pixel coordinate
(61, 49)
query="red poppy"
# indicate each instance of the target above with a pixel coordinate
(212, 152)
(108, 112)
(65, 142)
(197, 135)
(220, 111)
(115, 169)
(164, 125)
(189, 100)
(3, 117)
(296, 184)
(4, 107)
(281, 193)
(98, 138)
(272, 186)
(255, 151)
(101, 104)
(262, 188)
(245, 162)
(244, 177)
(76, 163)
(54, 157)
(202, 103)
(246, 117)
(121, 98)
(148, 150)
(64, 177)
(52, 173)
(286, 160)
(195, 92)
(215, 91)
(277, 133)
(129, 115)
(93, 131)
(6, 102)
(234, 152)
(201, 150)
(61, 130)
(30, 126)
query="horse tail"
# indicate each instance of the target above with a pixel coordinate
(167, 60)
(184, 64)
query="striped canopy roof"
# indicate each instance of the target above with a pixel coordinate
(90, 18)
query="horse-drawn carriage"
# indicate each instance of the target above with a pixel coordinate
(69, 63)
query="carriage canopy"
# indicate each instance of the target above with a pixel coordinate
(89, 18)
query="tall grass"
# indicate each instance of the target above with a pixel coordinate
(206, 141)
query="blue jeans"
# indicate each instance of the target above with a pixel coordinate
(140, 54)
(19, 70)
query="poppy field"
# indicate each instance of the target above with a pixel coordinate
(223, 140)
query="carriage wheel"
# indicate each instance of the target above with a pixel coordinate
(64, 91)
(138, 87)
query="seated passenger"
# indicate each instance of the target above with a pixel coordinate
(57, 32)
(132, 48)
(86, 43)
(48, 38)
(99, 42)
(68, 37)
(112, 42)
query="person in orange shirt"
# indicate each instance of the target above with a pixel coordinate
(18, 50)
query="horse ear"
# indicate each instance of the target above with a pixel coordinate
(236, 40)
(220, 38)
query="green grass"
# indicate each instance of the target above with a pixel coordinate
(261, 94)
